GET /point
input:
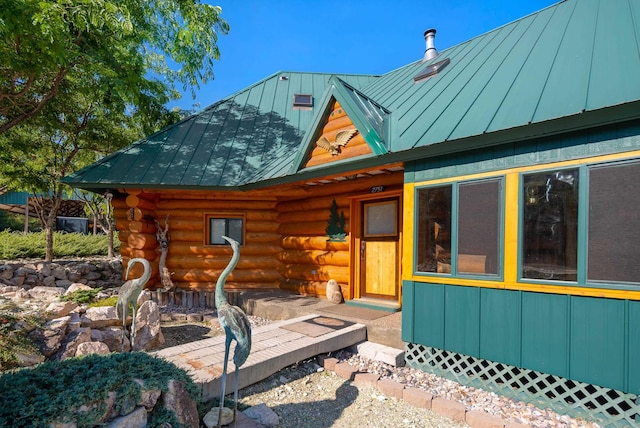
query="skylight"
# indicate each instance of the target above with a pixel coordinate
(302, 101)
(432, 70)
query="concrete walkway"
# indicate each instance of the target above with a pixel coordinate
(274, 347)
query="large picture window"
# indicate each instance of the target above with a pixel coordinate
(218, 226)
(463, 220)
(614, 223)
(550, 225)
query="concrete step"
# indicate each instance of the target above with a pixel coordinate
(274, 347)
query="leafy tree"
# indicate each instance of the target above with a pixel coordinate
(82, 78)
(99, 206)
(140, 48)
(37, 154)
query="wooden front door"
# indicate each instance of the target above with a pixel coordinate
(379, 249)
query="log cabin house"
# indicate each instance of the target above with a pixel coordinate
(489, 190)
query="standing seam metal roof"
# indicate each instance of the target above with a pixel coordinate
(573, 57)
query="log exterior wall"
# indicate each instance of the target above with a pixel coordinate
(285, 242)
(197, 266)
(308, 258)
(136, 231)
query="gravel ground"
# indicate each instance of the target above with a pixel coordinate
(306, 396)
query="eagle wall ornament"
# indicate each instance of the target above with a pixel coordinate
(342, 138)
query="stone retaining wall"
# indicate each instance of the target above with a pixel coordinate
(94, 272)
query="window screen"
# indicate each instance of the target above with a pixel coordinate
(434, 229)
(550, 225)
(614, 223)
(479, 227)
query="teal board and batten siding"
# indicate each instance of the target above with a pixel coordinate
(588, 339)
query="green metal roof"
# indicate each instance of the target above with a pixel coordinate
(575, 64)
(573, 57)
(228, 144)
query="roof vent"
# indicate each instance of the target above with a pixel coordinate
(429, 38)
(302, 101)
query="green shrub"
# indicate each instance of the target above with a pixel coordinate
(14, 245)
(14, 339)
(15, 222)
(54, 391)
(81, 296)
(109, 301)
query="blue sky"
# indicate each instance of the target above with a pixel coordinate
(341, 36)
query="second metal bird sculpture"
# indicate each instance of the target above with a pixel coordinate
(128, 294)
(236, 327)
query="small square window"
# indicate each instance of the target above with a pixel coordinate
(302, 101)
(218, 226)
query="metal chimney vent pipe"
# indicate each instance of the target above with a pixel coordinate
(429, 38)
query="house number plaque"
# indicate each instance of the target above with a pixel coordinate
(377, 189)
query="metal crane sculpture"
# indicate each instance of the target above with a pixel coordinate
(128, 294)
(236, 327)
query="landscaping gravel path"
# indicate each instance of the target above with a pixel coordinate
(307, 396)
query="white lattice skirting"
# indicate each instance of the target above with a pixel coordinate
(603, 405)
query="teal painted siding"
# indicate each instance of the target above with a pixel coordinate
(408, 308)
(609, 140)
(597, 341)
(500, 314)
(634, 348)
(580, 338)
(430, 325)
(545, 333)
(462, 320)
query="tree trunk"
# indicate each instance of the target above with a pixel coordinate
(110, 251)
(50, 228)
(110, 222)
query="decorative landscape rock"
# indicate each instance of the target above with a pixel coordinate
(110, 336)
(211, 418)
(71, 341)
(263, 415)
(48, 294)
(49, 338)
(178, 400)
(87, 348)
(101, 316)
(84, 331)
(333, 292)
(60, 309)
(75, 287)
(148, 332)
(135, 419)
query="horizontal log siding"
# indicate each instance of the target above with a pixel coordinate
(134, 217)
(196, 266)
(335, 122)
(308, 259)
